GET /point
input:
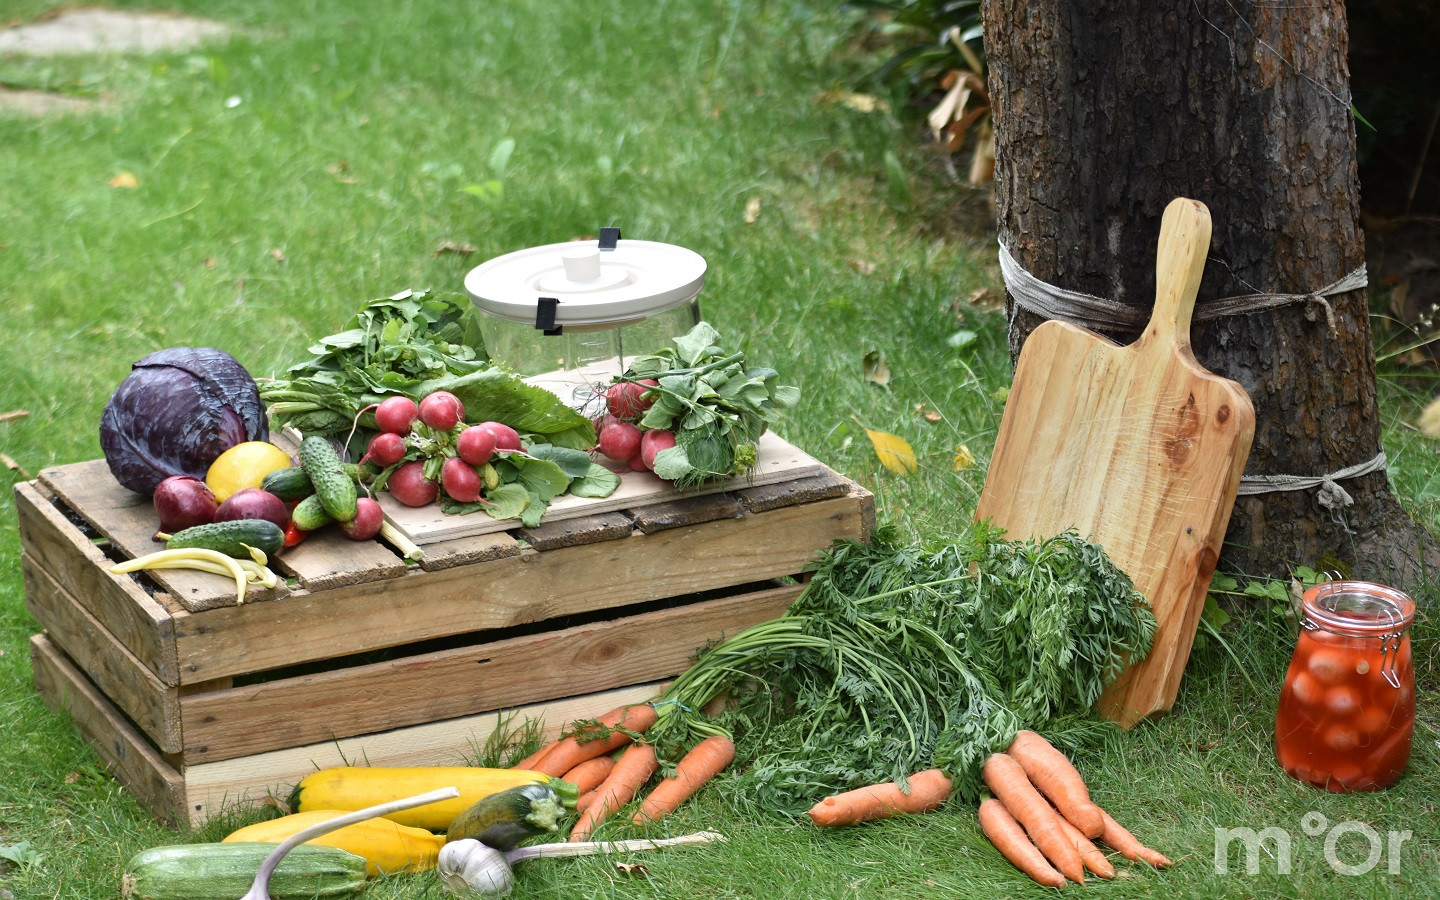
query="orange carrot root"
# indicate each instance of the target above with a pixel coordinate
(1007, 781)
(572, 751)
(1093, 856)
(586, 800)
(590, 774)
(1131, 848)
(1010, 839)
(1055, 777)
(928, 790)
(634, 768)
(704, 761)
(530, 761)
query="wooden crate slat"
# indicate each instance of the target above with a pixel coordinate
(573, 532)
(128, 520)
(469, 551)
(689, 511)
(126, 754)
(759, 498)
(134, 618)
(328, 560)
(153, 706)
(213, 787)
(513, 591)
(449, 683)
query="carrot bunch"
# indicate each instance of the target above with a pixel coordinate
(584, 757)
(1043, 820)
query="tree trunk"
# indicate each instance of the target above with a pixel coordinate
(1104, 112)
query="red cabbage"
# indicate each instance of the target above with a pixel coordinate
(175, 413)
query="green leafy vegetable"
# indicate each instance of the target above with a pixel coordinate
(897, 659)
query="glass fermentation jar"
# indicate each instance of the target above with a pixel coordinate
(570, 316)
(1347, 708)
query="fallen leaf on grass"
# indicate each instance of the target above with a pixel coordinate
(340, 172)
(927, 414)
(280, 805)
(752, 211)
(893, 451)
(636, 869)
(125, 180)
(863, 266)
(277, 254)
(72, 777)
(453, 247)
(14, 414)
(865, 103)
(208, 262)
(13, 466)
(964, 459)
(877, 370)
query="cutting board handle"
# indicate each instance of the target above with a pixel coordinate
(1179, 263)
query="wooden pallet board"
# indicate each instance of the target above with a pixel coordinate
(777, 461)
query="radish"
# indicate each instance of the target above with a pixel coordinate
(637, 464)
(652, 442)
(460, 479)
(396, 414)
(506, 438)
(476, 446)
(386, 449)
(620, 440)
(367, 521)
(409, 485)
(624, 400)
(441, 410)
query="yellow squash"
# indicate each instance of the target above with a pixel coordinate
(387, 847)
(356, 787)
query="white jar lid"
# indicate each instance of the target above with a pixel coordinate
(593, 286)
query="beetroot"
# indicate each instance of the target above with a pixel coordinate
(395, 415)
(182, 501)
(476, 446)
(506, 438)
(366, 524)
(409, 485)
(652, 442)
(461, 481)
(253, 503)
(441, 410)
(620, 440)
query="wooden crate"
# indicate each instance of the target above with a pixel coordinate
(196, 703)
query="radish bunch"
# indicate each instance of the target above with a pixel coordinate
(620, 438)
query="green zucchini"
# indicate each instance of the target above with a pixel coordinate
(226, 871)
(309, 514)
(506, 818)
(230, 538)
(333, 485)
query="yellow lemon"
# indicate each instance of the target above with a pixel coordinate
(244, 466)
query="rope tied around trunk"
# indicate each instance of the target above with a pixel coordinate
(1099, 314)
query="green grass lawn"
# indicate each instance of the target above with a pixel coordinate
(259, 225)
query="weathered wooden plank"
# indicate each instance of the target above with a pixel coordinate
(573, 532)
(469, 551)
(530, 587)
(446, 684)
(140, 623)
(128, 520)
(215, 787)
(150, 704)
(688, 511)
(760, 498)
(327, 560)
(126, 754)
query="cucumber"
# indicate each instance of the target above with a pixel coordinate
(309, 515)
(508, 817)
(333, 485)
(230, 537)
(288, 484)
(226, 871)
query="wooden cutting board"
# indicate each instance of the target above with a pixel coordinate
(1138, 448)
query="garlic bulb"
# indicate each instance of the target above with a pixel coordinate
(470, 868)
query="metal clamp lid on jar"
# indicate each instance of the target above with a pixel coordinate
(1361, 609)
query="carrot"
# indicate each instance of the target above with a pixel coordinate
(586, 800)
(530, 761)
(1055, 777)
(1010, 839)
(928, 790)
(704, 761)
(1007, 781)
(572, 751)
(634, 768)
(1093, 857)
(590, 774)
(1130, 848)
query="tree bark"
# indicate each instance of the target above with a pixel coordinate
(1104, 112)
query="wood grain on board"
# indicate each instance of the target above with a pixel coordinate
(1138, 448)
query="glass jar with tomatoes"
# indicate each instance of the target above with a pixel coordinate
(1347, 708)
